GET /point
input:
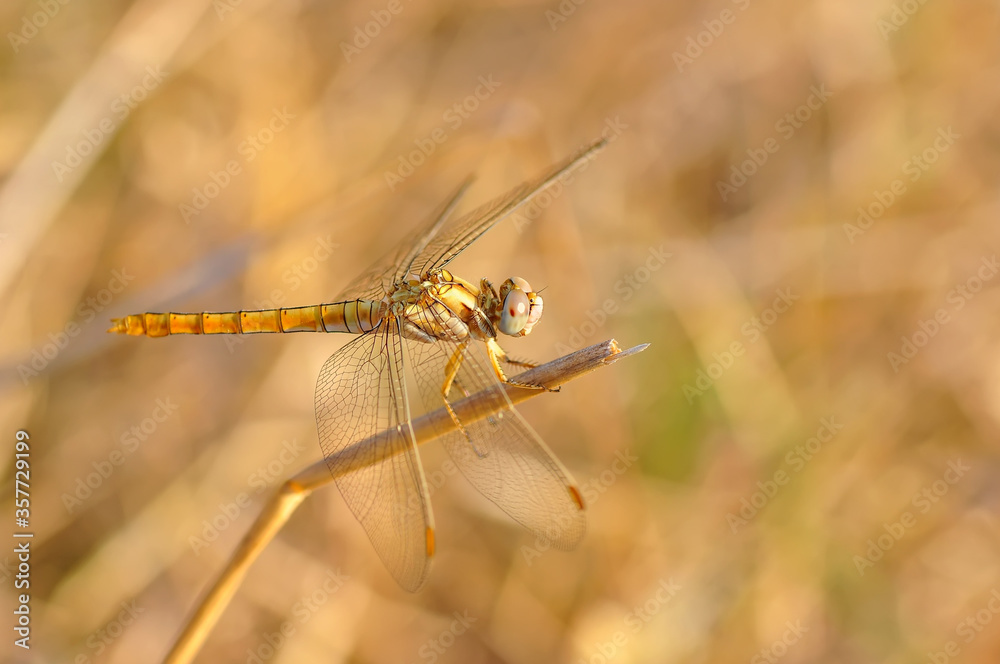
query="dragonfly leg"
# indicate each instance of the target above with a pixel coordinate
(450, 378)
(459, 385)
(498, 355)
(504, 357)
(519, 363)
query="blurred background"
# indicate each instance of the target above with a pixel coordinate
(797, 209)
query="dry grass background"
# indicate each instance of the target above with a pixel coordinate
(226, 68)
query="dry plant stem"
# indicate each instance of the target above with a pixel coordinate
(427, 427)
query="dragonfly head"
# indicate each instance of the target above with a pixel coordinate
(520, 308)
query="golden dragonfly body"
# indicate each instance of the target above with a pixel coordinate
(410, 312)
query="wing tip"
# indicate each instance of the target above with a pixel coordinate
(600, 143)
(429, 541)
(584, 154)
(594, 147)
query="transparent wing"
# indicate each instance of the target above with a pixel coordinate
(455, 235)
(436, 243)
(507, 461)
(376, 281)
(361, 396)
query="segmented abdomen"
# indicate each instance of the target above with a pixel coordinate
(354, 317)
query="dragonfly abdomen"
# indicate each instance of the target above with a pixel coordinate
(354, 317)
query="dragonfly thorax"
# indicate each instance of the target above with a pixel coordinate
(443, 306)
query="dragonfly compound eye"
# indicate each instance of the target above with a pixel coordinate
(514, 315)
(534, 313)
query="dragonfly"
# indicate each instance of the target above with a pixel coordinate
(425, 337)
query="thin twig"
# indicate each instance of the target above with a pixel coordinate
(427, 427)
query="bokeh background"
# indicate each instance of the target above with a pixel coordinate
(766, 482)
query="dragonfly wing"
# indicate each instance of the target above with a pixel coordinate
(506, 461)
(435, 243)
(457, 234)
(363, 418)
(375, 282)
